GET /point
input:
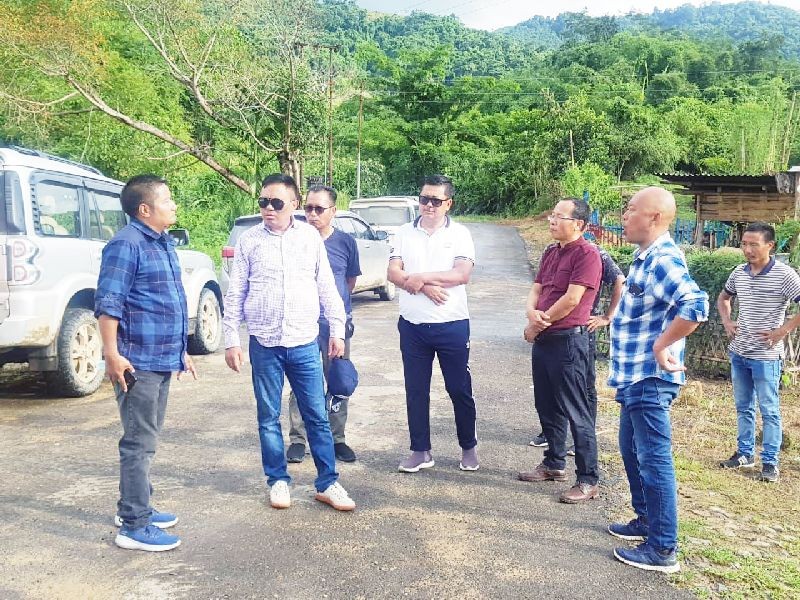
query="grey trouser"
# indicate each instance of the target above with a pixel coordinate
(141, 411)
(337, 418)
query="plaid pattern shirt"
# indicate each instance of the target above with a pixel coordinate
(277, 284)
(140, 285)
(657, 290)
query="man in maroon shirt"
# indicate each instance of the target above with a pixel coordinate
(558, 309)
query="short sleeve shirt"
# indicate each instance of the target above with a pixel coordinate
(422, 253)
(343, 257)
(611, 272)
(763, 299)
(576, 263)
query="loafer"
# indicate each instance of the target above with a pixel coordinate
(296, 453)
(580, 492)
(543, 473)
(344, 452)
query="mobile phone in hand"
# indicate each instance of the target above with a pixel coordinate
(130, 379)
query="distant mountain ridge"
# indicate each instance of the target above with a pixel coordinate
(742, 22)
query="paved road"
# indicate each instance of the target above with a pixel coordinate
(442, 533)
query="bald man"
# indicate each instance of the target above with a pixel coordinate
(660, 306)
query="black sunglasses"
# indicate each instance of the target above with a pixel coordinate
(276, 203)
(309, 208)
(435, 202)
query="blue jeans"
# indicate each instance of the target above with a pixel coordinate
(141, 411)
(303, 369)
(760, 378)
(645, 441)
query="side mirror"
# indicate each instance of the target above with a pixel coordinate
(179, 236)
(381, 235)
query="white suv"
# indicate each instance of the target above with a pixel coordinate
(55, 217)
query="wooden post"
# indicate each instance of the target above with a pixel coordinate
(797, 196)
(358, 144)
(698, 228)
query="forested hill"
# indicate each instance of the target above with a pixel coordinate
(743, 22)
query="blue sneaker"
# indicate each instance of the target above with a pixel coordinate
(161, 520)
(634, 530)
(149, 539)
(644, 556)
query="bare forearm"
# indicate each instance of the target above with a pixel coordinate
(446, 279)
(108, 333)
(724, 308)
(562, 308)
(533, 300)
(396, 275)
(677, 330)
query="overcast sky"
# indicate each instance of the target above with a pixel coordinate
(491, 14)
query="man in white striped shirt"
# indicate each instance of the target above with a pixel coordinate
(764, 289)
(279, 278)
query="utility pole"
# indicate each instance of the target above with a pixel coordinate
(358, 143)
(331, 48)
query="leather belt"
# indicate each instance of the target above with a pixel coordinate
(547, 333)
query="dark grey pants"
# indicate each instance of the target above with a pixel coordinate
(141, 411)
(337, 417)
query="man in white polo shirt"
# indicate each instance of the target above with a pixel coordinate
(431, 262)
(764, 288)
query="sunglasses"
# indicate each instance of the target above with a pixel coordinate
(276, 203)
(309, 208)
(435, 202)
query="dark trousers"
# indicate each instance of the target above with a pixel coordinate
(560, 367)
(141, 411)
(450, 343)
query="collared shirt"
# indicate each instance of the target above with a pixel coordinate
(658, 289)
(140, 285)
(611, 273)
(277, 283)
(577, 262)
(763, 299)
(422, 252)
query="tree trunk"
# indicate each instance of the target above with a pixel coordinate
(290, 165)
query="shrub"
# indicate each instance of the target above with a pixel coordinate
(711, 269)
(622, 255)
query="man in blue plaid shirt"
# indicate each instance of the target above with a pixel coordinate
(141, 308)
(660, 306)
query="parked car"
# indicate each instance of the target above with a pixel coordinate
(373, 251)
(55, 218)
(386, 213)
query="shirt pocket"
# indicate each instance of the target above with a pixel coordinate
(637, 299)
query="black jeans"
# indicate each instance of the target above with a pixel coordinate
(560, 371)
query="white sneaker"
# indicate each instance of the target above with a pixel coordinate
(279, 495)
(336, 496)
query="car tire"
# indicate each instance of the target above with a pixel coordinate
(80, 356)
(387, 292)
(208, 326)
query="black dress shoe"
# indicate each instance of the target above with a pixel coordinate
(296, 453)
(344, 453)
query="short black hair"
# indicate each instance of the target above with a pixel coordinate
(449, 189)
(139, 190)
(286, 181)
(580, 210)
(765, 229)
(323, 188)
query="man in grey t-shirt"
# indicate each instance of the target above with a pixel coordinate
(764, 288)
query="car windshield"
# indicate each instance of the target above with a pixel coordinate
(384, 215)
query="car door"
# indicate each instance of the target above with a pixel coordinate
(373, 271)
(105, 218)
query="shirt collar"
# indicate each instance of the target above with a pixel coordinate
(418, 219)
(763, 271)
(149, 231)
(578, 242)
(659, 241)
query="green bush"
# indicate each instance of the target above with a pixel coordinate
(711, 269)
(622, 255)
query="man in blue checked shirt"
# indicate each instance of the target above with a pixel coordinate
(660, 306)
(141, 308)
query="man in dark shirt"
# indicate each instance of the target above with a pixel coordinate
(320, 208)
(558, 310)
(612, 277)
(141, 308)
